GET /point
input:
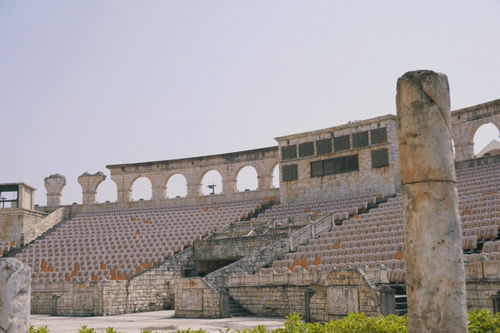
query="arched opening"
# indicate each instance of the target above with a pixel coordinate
(141, 189)
(247, 180)
(106, 192)
(485, 137)
(213, 179)
(177, 186)
(276, 176)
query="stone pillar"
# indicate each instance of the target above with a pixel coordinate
(265, 181)
(15, 293)
(193, 190)
(54, 185)
(435, 278)
(89, 184)
(464, 151)
(228, 185)
(387, 300)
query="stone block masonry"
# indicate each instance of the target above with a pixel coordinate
(336, 293)
(15, 278)
(151, 290)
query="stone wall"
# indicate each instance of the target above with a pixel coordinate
(67, 298)
(482, 281)
(336, 293)
(15, 221)
(43, 225)
(195, 298)
(465, 123)
(150, 290)
(479, 292)
(193, 169)
(232, 248)
(380, 180)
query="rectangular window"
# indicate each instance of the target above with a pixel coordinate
(342, 143)
(324, 146)
(378, 135)
(306, 149)
(360, 139)
(288, 152)
(290, 172)
(380, 158)
(317, 169)
(335, 165)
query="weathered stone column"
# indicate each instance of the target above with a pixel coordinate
(54, 185)
(435, 279)
(15, 290)
(89, 184)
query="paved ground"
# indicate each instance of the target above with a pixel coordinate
(161, 321)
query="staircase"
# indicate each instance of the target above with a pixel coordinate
(236, 310)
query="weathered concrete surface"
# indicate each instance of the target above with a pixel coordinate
(435, 277)
(15, 281)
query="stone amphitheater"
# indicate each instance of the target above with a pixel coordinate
(329, 241)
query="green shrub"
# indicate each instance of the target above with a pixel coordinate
(42, 329)
(85, 329)
(480, 321)
(483, 321)
(111, 330)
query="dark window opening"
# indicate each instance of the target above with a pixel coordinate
(360, 139)
(288, 152)
(342, 143)
(324, 146)
(317, 169)
(335, 166)
(378, 135)
(290, 172)
(306, 149)
(380, 158)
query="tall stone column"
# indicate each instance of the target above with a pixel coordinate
(435, 279)
(15, 293)
(89, 184)
(54, 185)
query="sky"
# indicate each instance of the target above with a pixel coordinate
(84, 84)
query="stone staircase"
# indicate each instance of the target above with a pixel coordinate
(236, 310)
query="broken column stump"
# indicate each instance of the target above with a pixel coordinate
(15, 288)
(435, 278)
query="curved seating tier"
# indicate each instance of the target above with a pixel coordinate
(377, 237)
(116, 245)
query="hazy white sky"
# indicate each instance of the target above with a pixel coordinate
(89, 83)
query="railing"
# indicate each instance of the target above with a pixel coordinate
(305, 234)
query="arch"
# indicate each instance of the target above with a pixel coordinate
(176, 186)
(276, 176)
(142, 188)
(483, 133)
(211, 177)
(106, 191)
(247, 179)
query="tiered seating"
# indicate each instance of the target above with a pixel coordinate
(118, 244)
(377, 237)
(293, 212)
